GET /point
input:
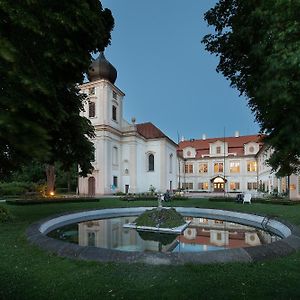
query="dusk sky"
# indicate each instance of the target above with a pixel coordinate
(167, 76)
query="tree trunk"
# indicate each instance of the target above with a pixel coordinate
(50, 173)
(69, 181)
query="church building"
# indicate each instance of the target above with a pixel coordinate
(137, 158)
(129, 157)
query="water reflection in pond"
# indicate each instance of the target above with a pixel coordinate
(201, 235)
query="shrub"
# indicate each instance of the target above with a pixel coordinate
(165, 218)
(5, 215)
(17, 188)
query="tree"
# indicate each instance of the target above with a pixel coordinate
(45, 50)
(259, 48)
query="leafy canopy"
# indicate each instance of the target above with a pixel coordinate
(45, 49)
(258, 43)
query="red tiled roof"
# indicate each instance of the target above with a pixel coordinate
(150, 131)
(235, 144)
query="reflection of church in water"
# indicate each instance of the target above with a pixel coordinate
(110, 234)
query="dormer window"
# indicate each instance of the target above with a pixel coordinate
(218, 149)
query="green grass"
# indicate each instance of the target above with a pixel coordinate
(26, 272)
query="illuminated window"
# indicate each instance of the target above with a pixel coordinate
(251, 166)
(219, 222)
(234, 167)
(234, 186)
(203, 220)
(218, 167)
(188, 168)
(203, 185)
(203, 168)
(114, 113)
(218, 150)
(92, 109)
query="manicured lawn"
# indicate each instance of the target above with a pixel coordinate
(27, 272)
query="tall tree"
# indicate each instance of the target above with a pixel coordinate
(45, 49)
(258, 43)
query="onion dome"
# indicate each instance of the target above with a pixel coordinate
(101, 68)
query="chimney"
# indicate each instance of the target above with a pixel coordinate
(203, 136)
(236, 134)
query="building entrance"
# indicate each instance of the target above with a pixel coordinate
(218, 184)
(91, 186)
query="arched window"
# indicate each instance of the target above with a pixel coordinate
(115, 156)
(92, 109)
(171, 163)
(151, 162)
(114, 113)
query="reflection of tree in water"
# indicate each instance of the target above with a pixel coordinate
(67, 233)
(163, 239)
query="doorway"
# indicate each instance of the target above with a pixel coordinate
(91, 186)
(218, 184)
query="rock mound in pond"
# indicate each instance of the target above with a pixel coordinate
(163, 218)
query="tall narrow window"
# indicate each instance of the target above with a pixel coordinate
(114, 113)
(151, 162)
(92, 109)
(115, 159)
(171, 163)
(115, 181)
(115, 96)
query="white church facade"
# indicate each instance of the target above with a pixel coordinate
(129, 157)
(134, 158)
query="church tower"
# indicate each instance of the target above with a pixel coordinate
(105, 100)
(129, 157)
(104, 108)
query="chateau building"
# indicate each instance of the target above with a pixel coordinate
(231, 164)
(220, 164)
(129, 157)
(270, 183)
(134, 158)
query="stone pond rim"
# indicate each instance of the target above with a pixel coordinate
(290, 242)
